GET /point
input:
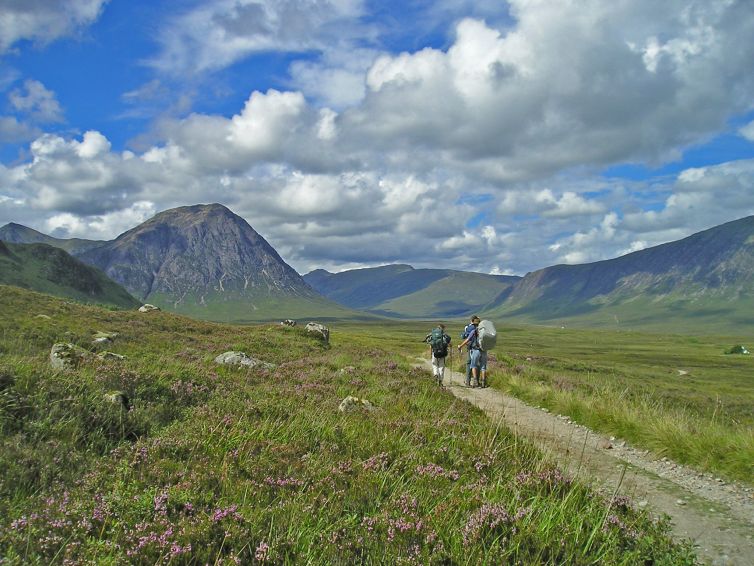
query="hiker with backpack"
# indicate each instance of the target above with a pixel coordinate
(438, 342)
(480, 340)
(465, 334)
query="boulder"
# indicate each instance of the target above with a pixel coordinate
(319, 330)
(64, 356)
(104, 337)
(118, 398)
(241, 359)
(43, 317)
(148, 308)
(288, 322)
(351, 403)
(738, 349)
(110, 356)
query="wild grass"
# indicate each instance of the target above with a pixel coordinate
(678, 396)
(220, 465)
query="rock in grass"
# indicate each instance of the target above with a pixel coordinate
(110, 356)
(241, 359)
(43, 317)
(319, 330)
(64, 356)
(288, 322)
(351, 403)
(148, 308)
(104, 338)
(118, 398)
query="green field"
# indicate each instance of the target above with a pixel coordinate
(678, 396)
(210, 464)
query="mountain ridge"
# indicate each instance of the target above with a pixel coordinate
(48, 269)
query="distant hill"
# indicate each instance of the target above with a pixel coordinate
(205, 261)
(18, 234)
(706, 280)
(46, 269)
(402, 291)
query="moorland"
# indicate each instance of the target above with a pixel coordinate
(215, 464)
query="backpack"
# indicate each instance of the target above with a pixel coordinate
(486, 335)
(438, 343)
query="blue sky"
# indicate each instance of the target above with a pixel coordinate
(484, 135)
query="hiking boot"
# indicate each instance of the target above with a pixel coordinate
(475, 383)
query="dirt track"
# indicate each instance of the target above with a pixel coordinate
(717, 516)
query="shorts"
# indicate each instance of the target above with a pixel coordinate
(479, 359)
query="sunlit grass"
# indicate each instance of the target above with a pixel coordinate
(220, 465)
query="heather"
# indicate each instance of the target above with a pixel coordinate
(217, 465)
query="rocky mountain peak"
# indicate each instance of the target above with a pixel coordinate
(196, 253)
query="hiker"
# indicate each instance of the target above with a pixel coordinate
(477, 356)
(465, 334)
(438, 342)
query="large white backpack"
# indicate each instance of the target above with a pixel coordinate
(487, 335)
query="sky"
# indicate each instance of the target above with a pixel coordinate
(481, 135)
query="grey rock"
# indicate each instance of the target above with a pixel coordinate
(110, 356)
(118, 398)
(65, 356)
(104, 338)
(148, 308)
(351, 403)
(241, 359)
(288, 322)
(319, 330)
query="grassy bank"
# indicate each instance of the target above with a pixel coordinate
(676, 395)
(218, 465)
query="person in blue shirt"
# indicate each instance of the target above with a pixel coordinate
(477, 356)
(465, 334)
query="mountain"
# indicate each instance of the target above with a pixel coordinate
(706, 279)
(402, 291)
(43, 268)
(207, 262)
(18, 234)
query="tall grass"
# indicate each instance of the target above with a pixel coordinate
(221, 465)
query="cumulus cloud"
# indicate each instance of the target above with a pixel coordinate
(45, 20)
(218, 33)
(13, 131)
(34, 100)
(748, 131)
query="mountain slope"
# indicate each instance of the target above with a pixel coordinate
(707, 277)
(18, 234)
(206, 261)
(50, 270)
(402, 291)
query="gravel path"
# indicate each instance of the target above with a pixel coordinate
(716, 515)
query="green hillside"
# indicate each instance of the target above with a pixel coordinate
(457, 294)
(47, 269)
(703, 283)
(242, 308)
(17, 234)
(405, 292)
(167, 457)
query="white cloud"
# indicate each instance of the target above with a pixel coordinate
(748, 131)
(45, 20)
(13, 131)
(218, 33)
(37, 102)
(100, 227)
